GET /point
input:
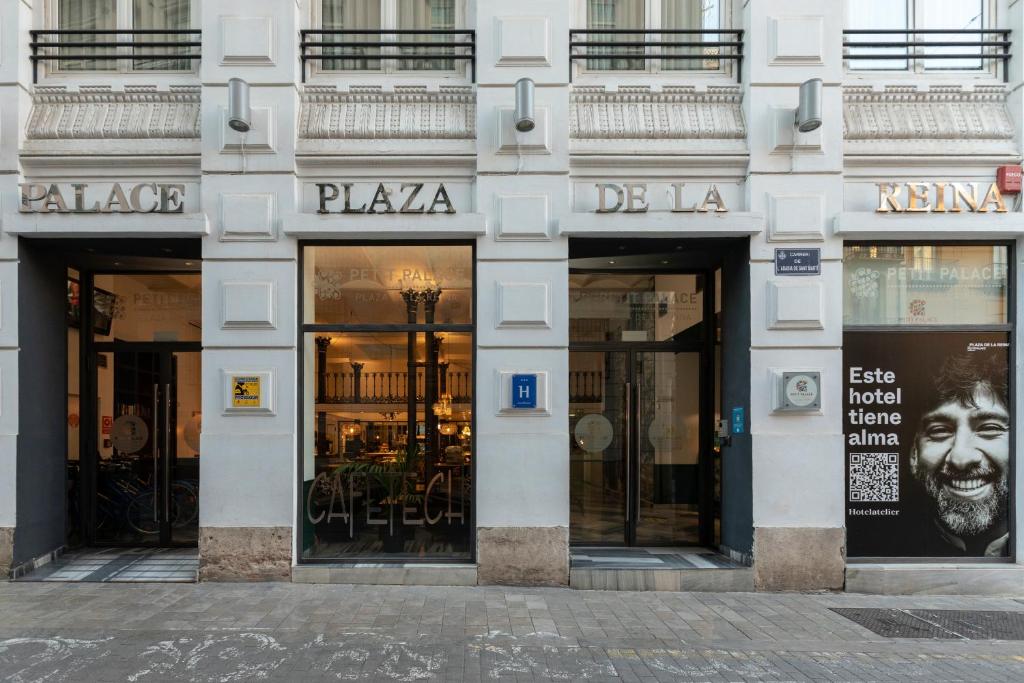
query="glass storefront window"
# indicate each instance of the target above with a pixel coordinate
(144, 307)
(623, 307)
(891, 284)
(364, 284)
(388, 445)
(928, 412)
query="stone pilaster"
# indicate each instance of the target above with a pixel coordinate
(795, 180)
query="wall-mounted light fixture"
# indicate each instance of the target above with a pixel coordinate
(808, 113)
(239, 114)
(523, 117)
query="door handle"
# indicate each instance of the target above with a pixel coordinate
(627, 435)
(167, 452)
(636, 422)
(156, 450)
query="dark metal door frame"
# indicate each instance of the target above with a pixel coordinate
(706, 401)
(89, 436)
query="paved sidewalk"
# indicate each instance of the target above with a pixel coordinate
(291, 632)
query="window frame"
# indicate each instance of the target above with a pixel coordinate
(916, 12)
(1010, 329)
(1008, 326)
(388, 68)
(301, 386)
(652, 22)
(123, 68)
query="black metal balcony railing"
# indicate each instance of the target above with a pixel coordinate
(146, 47)
(627, 49)
(390, 387)
(365, 49)
(974, 49)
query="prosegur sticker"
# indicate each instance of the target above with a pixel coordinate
(246, 391)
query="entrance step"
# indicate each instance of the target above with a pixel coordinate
(657, 569)
(935, 579)
(121, 565)
(380, 574)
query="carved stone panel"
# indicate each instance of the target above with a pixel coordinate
(98, 112)
(944, 119)
(368, 112)
(673, 113)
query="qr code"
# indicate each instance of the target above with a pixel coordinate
(874, 477)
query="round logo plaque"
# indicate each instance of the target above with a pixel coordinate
(801, 391)
(129, 434)
(594, 433)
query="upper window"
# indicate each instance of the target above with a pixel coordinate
(672, 35)
(922, 36)
(165, 23)
(359, 32)
(952, 284)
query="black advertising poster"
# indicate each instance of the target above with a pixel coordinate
(927, 431)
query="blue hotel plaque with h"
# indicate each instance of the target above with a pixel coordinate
(524, 391)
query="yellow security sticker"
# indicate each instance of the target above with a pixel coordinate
(245, 392)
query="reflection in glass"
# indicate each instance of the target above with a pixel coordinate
(390, 459)
(161, 15)
(615, 14)
(88, 15)
(147, 481)
(882, 15)
(348, 15)
(150, 307)
(621, 307)
(363, 285)
(889, 284)
(691, 15)
(597, 455)
(427, 14)
(668, 420)
(953, 14)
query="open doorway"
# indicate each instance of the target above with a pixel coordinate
(134, 401)
(132, 319)
(110, 408)
(646, 393)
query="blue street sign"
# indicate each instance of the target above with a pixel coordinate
(738, 426)
(524, 391)
(798, 261)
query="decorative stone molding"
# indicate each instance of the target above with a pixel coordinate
(673, 113)
(370, 113)
(910, 118)
(98, 112)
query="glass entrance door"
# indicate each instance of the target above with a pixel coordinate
(637, 438)
(667, 434)
(599, 446)
(147, 446)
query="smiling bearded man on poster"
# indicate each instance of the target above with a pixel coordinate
(961, 456)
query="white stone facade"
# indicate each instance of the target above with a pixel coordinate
(520, 197)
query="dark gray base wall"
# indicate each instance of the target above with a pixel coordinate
(6, 550)
(531, 556)
(799, 558)
(245, 553)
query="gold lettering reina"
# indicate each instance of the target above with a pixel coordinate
(944, 197)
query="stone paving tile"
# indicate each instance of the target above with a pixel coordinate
(286, 632)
